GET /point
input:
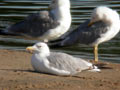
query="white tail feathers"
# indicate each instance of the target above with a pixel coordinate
(94, 69)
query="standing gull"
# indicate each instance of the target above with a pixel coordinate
(103, 26)
(45, 25)
(57, 63)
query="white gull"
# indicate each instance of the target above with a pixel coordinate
(57, 63)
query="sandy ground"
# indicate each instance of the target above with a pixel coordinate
(16, 73)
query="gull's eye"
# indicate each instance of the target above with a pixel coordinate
(39, 46)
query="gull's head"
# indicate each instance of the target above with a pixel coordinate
(105, 14)
(59, 3)
(40, 48)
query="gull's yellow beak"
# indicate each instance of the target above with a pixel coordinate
(90, 23)
(30, 49)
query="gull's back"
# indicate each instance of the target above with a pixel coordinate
(67, 62)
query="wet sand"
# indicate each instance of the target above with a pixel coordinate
(16, 73)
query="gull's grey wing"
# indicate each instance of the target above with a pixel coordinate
(85, 34)
(67, 62)
(34, 25)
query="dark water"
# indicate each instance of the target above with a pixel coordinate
(12, 11)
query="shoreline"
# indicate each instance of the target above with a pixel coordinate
(16, 73)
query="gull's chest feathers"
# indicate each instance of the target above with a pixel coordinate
(39, 62)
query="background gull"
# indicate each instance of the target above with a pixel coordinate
(103, 26)
(57, 63)
(45, 25)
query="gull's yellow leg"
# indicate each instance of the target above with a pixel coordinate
(96, 53)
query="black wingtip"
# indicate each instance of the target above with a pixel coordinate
(57, 40)
(54, 45)
(3, 32)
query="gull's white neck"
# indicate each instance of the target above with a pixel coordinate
(62, 12)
